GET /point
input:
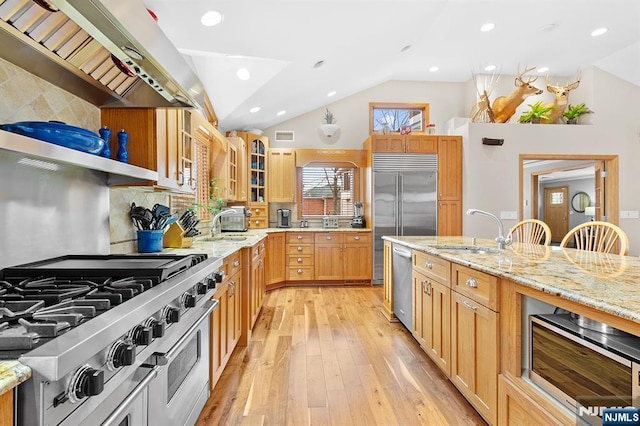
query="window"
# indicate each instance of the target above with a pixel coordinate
(557, 198)
(328, 191)
(396, 116)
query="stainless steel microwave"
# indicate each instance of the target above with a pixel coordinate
(586, 370)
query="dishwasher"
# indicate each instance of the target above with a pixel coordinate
(402, 285)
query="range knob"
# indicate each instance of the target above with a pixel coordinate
(211, 283)
(202, 288)
(188, 300)
(157, 327)
(87, 381)
(171, 315)
(141, 335)
(218, 276)
(120, 354)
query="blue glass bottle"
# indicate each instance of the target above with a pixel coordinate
(105, 134)
(122, 154)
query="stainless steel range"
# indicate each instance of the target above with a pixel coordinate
(113, 339)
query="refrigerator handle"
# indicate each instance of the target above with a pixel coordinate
(398, 206)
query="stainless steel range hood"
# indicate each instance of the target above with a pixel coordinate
(72, 49)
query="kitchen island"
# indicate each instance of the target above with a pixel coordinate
(472, 302)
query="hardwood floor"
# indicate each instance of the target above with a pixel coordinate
(327, 356)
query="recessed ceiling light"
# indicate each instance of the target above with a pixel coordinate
(283, 112)
(490, 68)
(543, 69)
(404, 49)
(318, 64)
(211, 18)
(331, 93)
(434, 69)
(598, 32)
(254, 109)
(243, 74)
(487, 27)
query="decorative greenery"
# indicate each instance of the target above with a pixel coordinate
(536, 113)
(575, 111)
(328, 117)
(216, 200)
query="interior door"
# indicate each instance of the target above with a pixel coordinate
(556, 211)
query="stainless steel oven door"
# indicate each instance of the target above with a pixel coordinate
(182, 387)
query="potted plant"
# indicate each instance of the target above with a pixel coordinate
(573, 112)
(329, 127)
(537, 112)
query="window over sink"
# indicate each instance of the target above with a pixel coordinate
(328, 190)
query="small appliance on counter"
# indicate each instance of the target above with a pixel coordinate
(330, 222)
(284, 218)
(358, 220)
(237, 221)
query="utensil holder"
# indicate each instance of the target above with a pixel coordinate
(174, 237)
(150, 241)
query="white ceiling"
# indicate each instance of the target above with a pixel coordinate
(360, 42)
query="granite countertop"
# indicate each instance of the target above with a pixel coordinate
(12, 373)
(606, 282)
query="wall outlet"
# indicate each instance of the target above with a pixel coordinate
(629, 214)
(509, 215)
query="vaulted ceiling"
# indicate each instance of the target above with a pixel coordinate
(363, 43)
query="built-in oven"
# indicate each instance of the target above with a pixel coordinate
(181, 389)
(586, 370)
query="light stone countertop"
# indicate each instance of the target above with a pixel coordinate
(606, 282)
(12, 373)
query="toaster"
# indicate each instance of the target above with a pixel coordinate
(237, 221)
(329, 222)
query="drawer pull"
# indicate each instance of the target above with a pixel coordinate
(299, 237)
(299, 248)
(257, 222)
(356, 238)
(257, 211)
(328, 237)
(255, 251)
(471, 282)
(299, 260)
(236, 263)
(469, 305)
(299, 271)
(429, 265)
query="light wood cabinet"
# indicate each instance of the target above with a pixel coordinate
(449, 185)
(276, 261)
(516, 408)
(387, 282)
(432, 318)
(226, 320)
(257, 283)
(343, 256)
(300, 257)
(410, 144)
(159, 139)
(282, 175)
(236, 164)
(257, 166)
(259, 216)
(474, 353)
(6, 408)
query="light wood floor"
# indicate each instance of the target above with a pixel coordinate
(327, 356)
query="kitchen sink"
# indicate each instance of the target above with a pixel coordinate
(470, 249)
(226, 238)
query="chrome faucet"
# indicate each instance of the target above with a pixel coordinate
(502, 241)
(214, 229)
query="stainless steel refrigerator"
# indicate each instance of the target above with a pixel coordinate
(404, 200)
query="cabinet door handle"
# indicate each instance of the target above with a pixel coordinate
(262, 246)
(328, 237)
(471, 282)
(299, 260)
(428, 265)
(299, 237)
(255, 251)
(357, 238)
(469, 305)
(180, 178)
(233, 287)
(299, 248)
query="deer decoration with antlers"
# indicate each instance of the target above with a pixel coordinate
(504, 107)
(561, 100)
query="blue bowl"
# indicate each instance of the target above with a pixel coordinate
(58, 133)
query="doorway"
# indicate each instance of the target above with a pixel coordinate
(556, 211)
